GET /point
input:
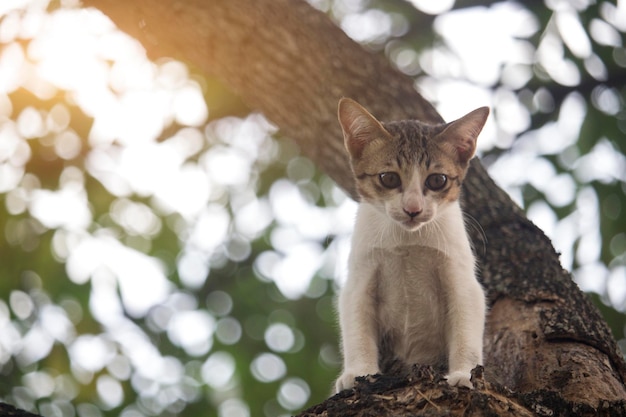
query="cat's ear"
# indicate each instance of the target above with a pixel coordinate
(459, 137)
(358, 125)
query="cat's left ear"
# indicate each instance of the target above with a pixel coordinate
(359, 127)
(459, 137)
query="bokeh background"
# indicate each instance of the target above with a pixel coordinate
(165, 251)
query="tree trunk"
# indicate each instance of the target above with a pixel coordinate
(545, 342)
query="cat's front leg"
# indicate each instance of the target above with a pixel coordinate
(465, 327)
(360, 352)
(359, 333)
(360, 362)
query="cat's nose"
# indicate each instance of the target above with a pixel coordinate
(412, 214)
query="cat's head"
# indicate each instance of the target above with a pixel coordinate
(408, 169)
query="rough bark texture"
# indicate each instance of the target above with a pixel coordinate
(545, 341)
(7, 410)
(425, 393)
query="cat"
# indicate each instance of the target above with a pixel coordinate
(411, 296)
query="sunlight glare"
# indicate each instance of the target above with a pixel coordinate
(142, 116)
(253, 218)
(67, 208)
(12, 67)
(218, 370)
(573, 33)
(279, 337)
(135, 218)
(91, 353)
(551, 56)
(14, 153)
(193, 268)
(146, 166)
(228, 331)
(145, 358)
(56, 323)
(605, 34)
(484, 39)
(219, 302)
(40, 382)
(36, 345)
(21, 304)
(293, 393)
(142, 282)
(226, 166)
(369, 26)
(105, 304)
(268, 367)
(433, 7)
(110, 391)
(543, 216)
(188, 106)
(616, 287)
(30, 123)
(294, 271)
(6, 107)
(192, 330)
(615, 14)
(210, 229)
(69, 61)
(589, 246)
(603, 163)
(233, 407)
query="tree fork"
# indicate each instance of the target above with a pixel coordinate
(288, 60)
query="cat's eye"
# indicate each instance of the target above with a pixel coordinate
(390, 180)
(436, 182)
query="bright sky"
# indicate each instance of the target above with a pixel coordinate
(132, 101)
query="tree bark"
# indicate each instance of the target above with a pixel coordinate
(545, 342)
(7, 410)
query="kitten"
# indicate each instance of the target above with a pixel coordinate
(411, 295)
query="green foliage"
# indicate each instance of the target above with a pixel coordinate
(154, 263)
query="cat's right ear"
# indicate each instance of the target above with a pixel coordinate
(358, 125)
(459, 137)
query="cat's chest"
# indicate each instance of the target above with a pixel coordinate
(408, 280)
(410, 305)
(416, 260)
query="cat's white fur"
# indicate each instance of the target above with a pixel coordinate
(416, 283)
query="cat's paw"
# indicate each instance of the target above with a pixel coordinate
(459, 379)
(347, 379)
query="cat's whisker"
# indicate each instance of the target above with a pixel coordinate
(471, 221)
(381, 231)
(441, 242)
